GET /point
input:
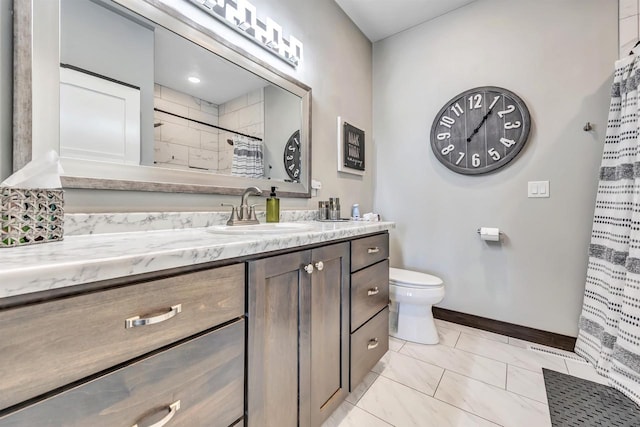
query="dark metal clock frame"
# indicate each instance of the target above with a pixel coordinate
(480, 130)
(292, 156)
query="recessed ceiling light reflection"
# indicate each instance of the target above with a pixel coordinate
(193, 79)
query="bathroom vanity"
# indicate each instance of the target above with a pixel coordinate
(205, 329)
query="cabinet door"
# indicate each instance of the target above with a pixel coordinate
(329, 330)
(278, 344)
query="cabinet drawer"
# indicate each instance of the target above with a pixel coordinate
(47, 345)
(368, 345)
(369, 292)
(206, 376)
(369, 250)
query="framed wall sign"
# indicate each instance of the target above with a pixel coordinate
(351, 148)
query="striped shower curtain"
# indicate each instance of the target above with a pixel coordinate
(609, 328)
(248, 159)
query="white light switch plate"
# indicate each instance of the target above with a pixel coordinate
(538, 189)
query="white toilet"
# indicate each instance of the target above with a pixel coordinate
(412, 294)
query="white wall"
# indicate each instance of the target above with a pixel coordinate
(559, 57)
(278, 103)
(337, 65)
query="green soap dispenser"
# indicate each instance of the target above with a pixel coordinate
(273, 207)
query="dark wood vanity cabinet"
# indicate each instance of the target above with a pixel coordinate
(137, 354)
(298, 317)
(197, 383)
(275, 341)
(369, 304)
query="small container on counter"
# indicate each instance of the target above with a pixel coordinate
(333, 212)
(323, 211)
(273, 206)
(355, 211)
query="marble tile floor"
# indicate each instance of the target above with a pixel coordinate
(471, 378)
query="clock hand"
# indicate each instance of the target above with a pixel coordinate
(484, 119)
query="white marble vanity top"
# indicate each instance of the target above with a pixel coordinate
(85, 258)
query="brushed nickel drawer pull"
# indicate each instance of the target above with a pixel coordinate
(373, 343)
(373, 250)
(173, 408)
(308, 268)
(374, 291)
(133, 322)
(319, 265)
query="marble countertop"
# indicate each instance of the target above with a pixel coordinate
(86, 258)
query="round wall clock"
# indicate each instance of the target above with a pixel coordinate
(480, 130)
(292, 156)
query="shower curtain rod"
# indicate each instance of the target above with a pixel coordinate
(207, 124)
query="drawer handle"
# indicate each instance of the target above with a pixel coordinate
(373, 343)
(308, 268)
(319, 265)
(373, 250)
(132, 322)
(173, 408)
(374, 291)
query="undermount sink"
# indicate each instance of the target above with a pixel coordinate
(269, 228)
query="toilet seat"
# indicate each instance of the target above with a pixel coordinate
(413, 279)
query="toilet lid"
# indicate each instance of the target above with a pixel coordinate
(413, 279)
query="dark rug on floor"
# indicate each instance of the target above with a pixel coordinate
(581, 403)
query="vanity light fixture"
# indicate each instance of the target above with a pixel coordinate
(241, 15)
(244, 26)
(193, 79)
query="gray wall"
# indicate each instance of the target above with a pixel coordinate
(279, 103)
(559, 57)
(329, 38)
(104, 42)
(6, 76)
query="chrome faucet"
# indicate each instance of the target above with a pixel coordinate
(244, 214)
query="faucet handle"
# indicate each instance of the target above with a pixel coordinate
(252, 213)
(234, 214)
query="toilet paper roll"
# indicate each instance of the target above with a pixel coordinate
(490, 234)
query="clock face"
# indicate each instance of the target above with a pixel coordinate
(480, 130)
(292, 156)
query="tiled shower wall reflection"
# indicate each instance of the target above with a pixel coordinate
(184, 144)
(244, 114)
(181, 143)
(629, 29)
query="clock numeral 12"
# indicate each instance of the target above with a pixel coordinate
(475, 101)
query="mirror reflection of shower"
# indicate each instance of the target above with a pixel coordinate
(187, 108)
